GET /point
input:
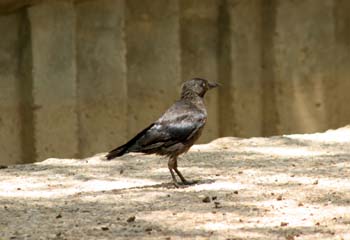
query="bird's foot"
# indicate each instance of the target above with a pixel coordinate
(176, 184)
(184, 184)
(189, 182)
(180, 184)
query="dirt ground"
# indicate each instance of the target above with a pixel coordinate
(285, 187)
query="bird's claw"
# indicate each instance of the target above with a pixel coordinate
(184, 184)
(189, 182)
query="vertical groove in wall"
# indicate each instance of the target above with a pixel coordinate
(269, 111)
(226, 111)
(26, 88)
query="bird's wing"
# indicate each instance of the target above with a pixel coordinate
(178, 124)
(121, 150)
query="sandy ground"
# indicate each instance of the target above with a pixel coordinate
(286, 187)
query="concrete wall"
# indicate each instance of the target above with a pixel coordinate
(101, 65)
(153, 60)
(10, 117)
(80, 77)
(304, 52)
(240, 60)
(54, 88)
(199, 45)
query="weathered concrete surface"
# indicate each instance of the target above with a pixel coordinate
(304, 64)
(284, 187)
(339, 89)
(270, 121)
(199, 49)
(102, 86)
(10, 118)
(242, 80)
(54, 79)
(153, 60)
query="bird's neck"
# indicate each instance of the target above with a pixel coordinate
(193, 98)
(190, 95)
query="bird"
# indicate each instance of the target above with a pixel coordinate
(175, 131)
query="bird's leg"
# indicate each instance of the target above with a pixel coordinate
(171, 164)
(183, 180)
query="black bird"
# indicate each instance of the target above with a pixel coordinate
(174, 132)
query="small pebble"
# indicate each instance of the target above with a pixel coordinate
(290, 237)
(283, 224)
(206, 199)
(131, 219)
(217, 205)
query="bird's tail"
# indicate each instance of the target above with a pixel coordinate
(127, 147)
(117, 152)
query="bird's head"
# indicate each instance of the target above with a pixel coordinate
(197, 86)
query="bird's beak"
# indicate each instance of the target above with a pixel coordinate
(213, 85)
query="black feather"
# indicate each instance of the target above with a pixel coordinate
(121, 150)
